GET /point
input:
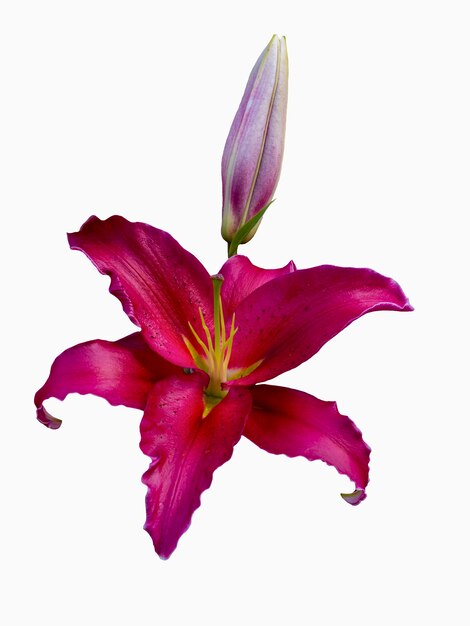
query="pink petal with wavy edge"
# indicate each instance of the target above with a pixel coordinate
(290, 422)
(161, 286)
(241, 278)
(121, 372)
(290, 318)
(185, 450)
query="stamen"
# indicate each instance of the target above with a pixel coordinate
(217, 349)
(206, 330)
(241, 373)
(228, 350)
(199, 340)
(197, 358)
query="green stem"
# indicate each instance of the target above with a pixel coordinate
(232, 249)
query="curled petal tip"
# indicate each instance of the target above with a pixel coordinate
(355, 497)
(47, 419)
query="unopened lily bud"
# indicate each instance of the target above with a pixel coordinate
(252, 158)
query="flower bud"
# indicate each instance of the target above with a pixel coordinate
(252, 158)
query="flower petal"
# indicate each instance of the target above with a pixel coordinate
(161, 286)
(185, 450)
(287, 320)
(122, 372)
(241, 278)
(290, 422)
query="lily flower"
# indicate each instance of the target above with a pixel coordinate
(252, 157)
(205, 348)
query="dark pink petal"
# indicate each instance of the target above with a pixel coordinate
(121, 372)
(290, 422)
(185, 450)
(287, 320)
(241, 277)
(160, 285)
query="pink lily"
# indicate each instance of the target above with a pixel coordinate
(204, 345)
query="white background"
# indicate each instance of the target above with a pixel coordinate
(123, 107)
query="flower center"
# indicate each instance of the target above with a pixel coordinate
(216, 350)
